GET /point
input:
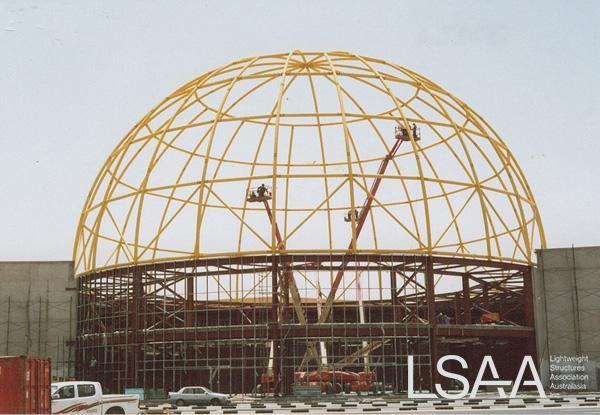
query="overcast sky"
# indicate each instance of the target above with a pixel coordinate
(76, 75)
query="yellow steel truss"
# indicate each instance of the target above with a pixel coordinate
(314, 126)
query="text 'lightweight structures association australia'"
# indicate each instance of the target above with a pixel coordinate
(304, 216)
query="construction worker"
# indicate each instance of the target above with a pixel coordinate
(349, 215)
(262, 190)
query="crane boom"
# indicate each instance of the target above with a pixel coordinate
(289, 275)
(362, 217)
(365, 350)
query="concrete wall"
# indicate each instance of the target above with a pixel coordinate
(38, 302)
(567, 309)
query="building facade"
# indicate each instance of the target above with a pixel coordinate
(567, 301)
(38, 302)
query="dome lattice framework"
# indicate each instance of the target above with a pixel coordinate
(315, 128)
(304, 214)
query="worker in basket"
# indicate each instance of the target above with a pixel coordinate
(348, 217)
(262, 190)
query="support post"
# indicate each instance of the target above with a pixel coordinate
(39, 333)
(285, 292)
(189, 323)
(136, 325)
(275, 325)
(81, 303)
(393, 292)
(528, 310)
(286, 367)
(430, 295)
(575, 301)
(456, 308)
(486, 296)
(7, 327)
(189, 301)
(69, 371)
(467, 319)
(397, 341)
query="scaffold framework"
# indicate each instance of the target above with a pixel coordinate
(163, 326)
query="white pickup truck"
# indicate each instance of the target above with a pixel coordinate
(87, 398)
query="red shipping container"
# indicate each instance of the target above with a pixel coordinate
(24, 385)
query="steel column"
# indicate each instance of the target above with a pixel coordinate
(189, 301)
(528, 310)
(466, 293)
(431, 316)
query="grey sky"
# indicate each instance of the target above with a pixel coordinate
(76, 75)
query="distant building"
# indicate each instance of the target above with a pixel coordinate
(38, 312)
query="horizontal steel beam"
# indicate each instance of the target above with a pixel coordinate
(313, 332)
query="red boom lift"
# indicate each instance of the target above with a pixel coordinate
(332, 380)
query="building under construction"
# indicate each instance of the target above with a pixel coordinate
(305, 219)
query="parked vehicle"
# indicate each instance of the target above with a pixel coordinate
(198, 395)
(24, 385)
(87, 397)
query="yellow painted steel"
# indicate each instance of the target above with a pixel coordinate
(315, 127)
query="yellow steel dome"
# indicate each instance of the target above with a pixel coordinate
(338, 140)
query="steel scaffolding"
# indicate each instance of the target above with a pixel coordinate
(167, 325)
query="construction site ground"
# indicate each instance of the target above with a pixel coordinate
(487, 403)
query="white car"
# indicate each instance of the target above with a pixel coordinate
(87, 398)
(198, 395)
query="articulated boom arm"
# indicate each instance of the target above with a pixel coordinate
(289, 275)
(348, 360)
(362, 217)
